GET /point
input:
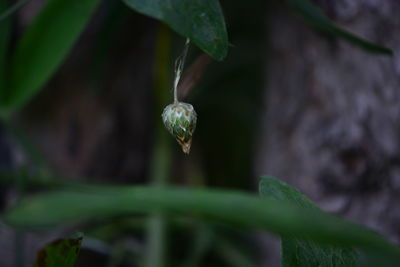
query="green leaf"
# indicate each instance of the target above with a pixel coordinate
(313, 15)
(43, 47)
(231, 207)
(375, 259)
(200, 20)
(303, 252)
(60, 253)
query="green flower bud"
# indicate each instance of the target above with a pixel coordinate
(180, 120)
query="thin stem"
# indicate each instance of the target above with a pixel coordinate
(13, 9)
(5, 34)
(179, 64)
(19, 237)
(156, 249)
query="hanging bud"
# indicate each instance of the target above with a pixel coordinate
(180, 120)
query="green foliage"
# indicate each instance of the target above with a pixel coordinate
(303, 252)
(315, 17)
(200, 20)
(43, 47)
(231, 207)
(373, 259)
(60, 253)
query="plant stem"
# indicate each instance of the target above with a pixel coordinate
(19, 237)
(161, 161)
(8, 12)
(5, 34)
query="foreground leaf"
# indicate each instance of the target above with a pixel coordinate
(200, 20)
(60, 253)
(43, 47)
(313, 15)
(302, 252)
(227, 206)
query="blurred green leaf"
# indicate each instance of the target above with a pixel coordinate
(313, 15)
(5, 13)
(303, 252)
(200, 20)
(373, 259)
(60, 253)
(232, 207)
(43, 47)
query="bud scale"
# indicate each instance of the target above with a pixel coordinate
(180, 120)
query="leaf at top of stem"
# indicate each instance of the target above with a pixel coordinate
(199, 20)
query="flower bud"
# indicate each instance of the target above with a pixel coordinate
(180, 120)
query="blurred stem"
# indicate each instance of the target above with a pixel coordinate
(4, 40)
(5, 13)
(31, 151)
(203, 240)
(115, 16)
(232, 255)
(161, 162)
(19, 248)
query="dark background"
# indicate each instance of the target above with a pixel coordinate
(288, 101)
